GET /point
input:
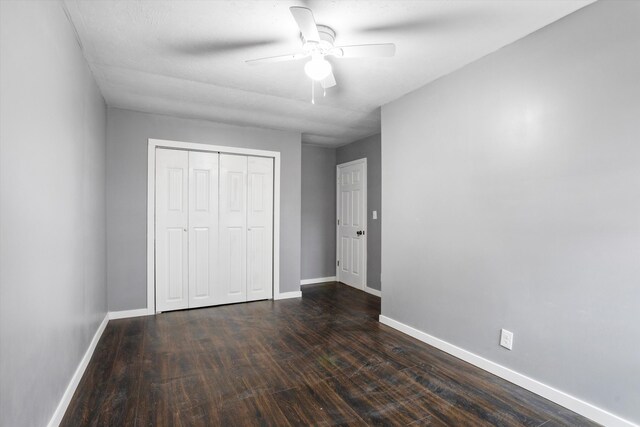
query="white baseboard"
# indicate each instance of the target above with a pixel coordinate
(287, 295)
(128, 313)
(318, 280)
(561, 398)
(77, 376)
(372, 291)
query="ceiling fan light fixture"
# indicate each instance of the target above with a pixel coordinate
(317, 68)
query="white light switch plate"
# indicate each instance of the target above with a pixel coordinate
(375, 214)
(506, 339)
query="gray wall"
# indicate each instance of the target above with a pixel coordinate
(53, 291)
(127, 138)
(318, 212)
(512, 200)
(370, 148)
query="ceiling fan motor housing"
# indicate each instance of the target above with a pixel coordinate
(327, 38)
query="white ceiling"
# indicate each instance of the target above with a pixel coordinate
(176, 57)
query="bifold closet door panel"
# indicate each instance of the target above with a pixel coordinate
(233, 229)
(203, 228)
(260, 229)
(172, 220)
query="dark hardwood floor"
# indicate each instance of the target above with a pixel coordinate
(320, 360)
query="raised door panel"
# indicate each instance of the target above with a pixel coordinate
(171, 250)
(345, 254)
(260, 229)
(232, 230)
(356, 256)
(203, 229)
(356, 209)
(173, 263)
(345, 208)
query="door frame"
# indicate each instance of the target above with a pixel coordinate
(366, 219)
(151, 201)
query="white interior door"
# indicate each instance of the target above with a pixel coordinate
(260, 229)
(203, 228)
(352, 225)
(233, 229)
(171, 229)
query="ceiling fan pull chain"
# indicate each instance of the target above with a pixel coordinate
(313, 95)
(324, 91)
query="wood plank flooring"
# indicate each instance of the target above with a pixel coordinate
(320, 360)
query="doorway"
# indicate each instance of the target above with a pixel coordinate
(351, 233)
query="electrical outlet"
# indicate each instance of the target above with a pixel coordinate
(506, 339)
(375, 214)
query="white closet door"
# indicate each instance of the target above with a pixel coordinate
(203, 228)
(260, 229)
(233, 229)
(171, 229)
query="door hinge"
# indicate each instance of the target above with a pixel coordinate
(338, 221)
(338, 263)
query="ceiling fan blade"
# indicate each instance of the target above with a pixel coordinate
(213, 47)
(328, 81)
(417, 24)
(280, 58)
(364, 50)
(455, 19)
(306, 23)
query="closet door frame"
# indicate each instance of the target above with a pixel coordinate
(151, 191)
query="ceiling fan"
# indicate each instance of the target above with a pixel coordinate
(318, 43)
